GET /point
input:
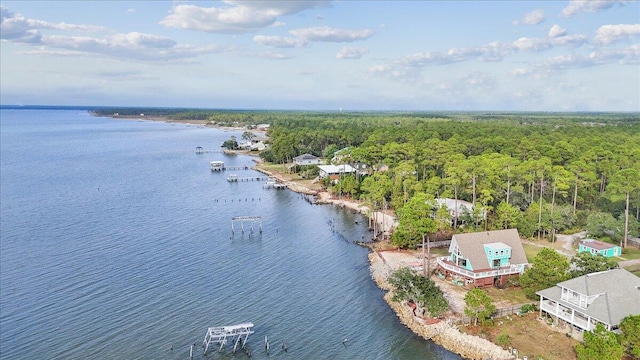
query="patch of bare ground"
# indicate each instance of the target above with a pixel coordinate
(527, 334)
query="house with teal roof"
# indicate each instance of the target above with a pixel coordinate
(599, 247)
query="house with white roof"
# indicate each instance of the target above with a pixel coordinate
(604, 297)
(484, 258)
(334, 171)
(457, 208)
(306, 159)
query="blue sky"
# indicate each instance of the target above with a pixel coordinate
(560, 55)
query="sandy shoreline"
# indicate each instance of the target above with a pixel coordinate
(206, 123)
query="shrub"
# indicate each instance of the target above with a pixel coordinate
(503, 340)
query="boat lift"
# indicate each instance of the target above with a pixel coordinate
(218, 335)
(252, 220)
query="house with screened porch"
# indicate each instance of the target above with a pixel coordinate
(604, 297)
(482, 259)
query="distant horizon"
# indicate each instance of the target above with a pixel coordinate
(95, 107)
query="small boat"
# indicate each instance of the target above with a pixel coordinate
(232, 178)
(217, 165)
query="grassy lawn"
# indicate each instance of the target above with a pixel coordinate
(531, 251)
(282, 172)
(440, 251)
(631, 253)
(530, 336)
(634, 270)
(510, 295)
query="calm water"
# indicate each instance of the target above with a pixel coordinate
(116, 243)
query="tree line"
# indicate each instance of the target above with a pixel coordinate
(542, 173)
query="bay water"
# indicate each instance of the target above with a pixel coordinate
(116, 243)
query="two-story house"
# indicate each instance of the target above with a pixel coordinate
(604, 297)
(484, 258)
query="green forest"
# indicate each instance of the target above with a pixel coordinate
(542, 173)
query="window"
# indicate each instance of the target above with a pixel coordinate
(462, 262)
(496, 263)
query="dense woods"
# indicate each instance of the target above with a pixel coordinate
(540, 172)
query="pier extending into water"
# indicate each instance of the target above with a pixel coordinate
(201, 150)
(236, 334)
(236, 178)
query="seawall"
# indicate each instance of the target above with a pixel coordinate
(443, 333)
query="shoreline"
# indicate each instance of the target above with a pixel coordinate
(442, 333)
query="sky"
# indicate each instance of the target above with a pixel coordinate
(560, 55)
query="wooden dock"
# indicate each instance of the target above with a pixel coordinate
(201, 150)
(235, 178)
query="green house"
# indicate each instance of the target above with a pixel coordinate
(598, 247)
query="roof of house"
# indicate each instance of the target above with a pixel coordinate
(598, 245)
(259, 137)
(451, 204)
(471, 246)
(618, 290)
(306, 157)
(336, 169)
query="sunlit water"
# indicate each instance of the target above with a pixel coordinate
(116, 243)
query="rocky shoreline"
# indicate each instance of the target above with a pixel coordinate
(443, 333)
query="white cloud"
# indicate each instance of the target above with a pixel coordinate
(274, 56)
(279, 41)
(131, 11)
(532, 18)
(556, 31)
(578, 6)
(569, 40)
(238, 17)
(327, 34)
(409, 66)
(15, 27)
(520, 71)
(626, 56)
(532, 44)
(608, 34)
(351, 53)
(125, 75)
(131, 46)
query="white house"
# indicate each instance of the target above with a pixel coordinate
(457, 208)
(334, 171)
(306, 159)
(604, 297)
